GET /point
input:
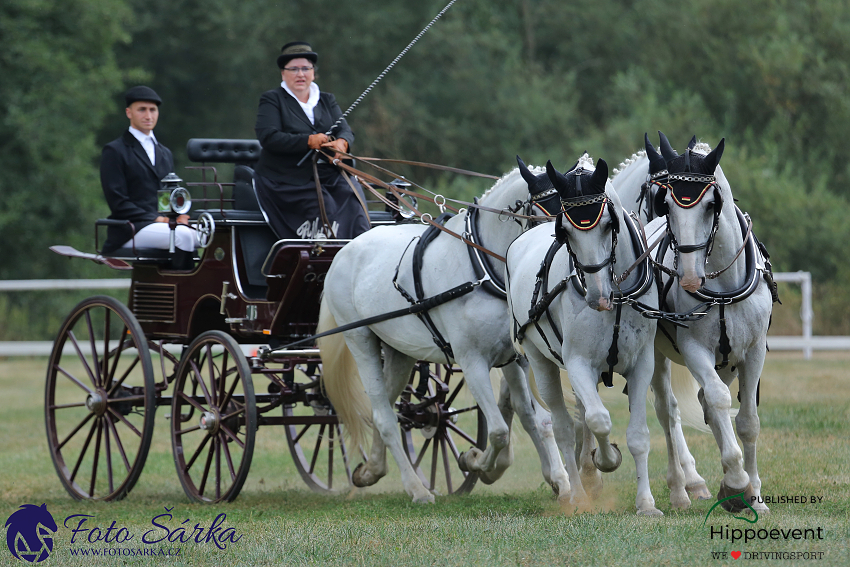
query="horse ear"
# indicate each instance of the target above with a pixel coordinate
(692, 143)
(712, 159)
(559, 180)
(656, 162)
(529, 177)
(600, 176)
(666, 149)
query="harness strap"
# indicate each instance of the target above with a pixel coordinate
(480, 265)
(321, 198)
(725, 347)
(613, 350)
(356, 193)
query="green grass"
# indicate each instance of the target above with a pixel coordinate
(803, 450)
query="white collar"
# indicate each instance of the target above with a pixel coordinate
(141, 136)
(311, 102)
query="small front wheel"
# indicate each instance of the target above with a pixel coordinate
(213, 418)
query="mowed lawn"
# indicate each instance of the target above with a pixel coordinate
(803, 453)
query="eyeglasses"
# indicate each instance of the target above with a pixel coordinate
(295, 70)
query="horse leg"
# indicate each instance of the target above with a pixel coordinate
(667, 411)
(607, 456)
(366, 349)
(591, 477)
(548, 379)
(717, 401)
(506, 457)
(476, 372)
(637, 434)
(747, 421)
(537, 422)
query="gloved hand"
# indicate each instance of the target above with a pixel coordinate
(315, 141)
(338, 145)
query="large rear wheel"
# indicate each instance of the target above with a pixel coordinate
(99, 400)
(438, 420)
(213, 418)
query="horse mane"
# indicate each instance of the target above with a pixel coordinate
(627, 162)
(535, 169)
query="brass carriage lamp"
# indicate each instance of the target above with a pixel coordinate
(173, 201)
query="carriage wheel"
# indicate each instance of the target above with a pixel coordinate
(213, 418)
(99, 400)
(317, 444)
(439, 420)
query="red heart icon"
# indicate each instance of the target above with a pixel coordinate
(735, 554)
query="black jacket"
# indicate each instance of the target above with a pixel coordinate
(283, 129)
(130, 184)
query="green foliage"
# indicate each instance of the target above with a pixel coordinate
(544, 79)
(58, 69)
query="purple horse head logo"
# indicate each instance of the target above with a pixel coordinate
(30, 533)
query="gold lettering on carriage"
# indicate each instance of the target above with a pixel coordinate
(310, 230)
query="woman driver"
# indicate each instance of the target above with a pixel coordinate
(292, 120)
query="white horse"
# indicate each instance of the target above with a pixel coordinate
(577, 333)
(360, 284)
(709, 243)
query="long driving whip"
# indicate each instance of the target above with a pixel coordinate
(381, 76)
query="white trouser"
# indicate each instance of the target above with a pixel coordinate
(158, 235)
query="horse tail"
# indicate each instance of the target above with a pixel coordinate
(341, 381)
(566, 387)
(686, 388)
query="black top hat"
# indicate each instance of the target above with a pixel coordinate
(142, 93)
(295, 49)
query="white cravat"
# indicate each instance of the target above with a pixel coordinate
(311, 102)
(148, 142)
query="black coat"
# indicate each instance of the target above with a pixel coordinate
(283, 129)
(130, 183)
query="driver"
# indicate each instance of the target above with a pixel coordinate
(131, 168)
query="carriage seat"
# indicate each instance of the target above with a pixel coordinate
(137, 255)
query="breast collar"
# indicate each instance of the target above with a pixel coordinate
(494, 285)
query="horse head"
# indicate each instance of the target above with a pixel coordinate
(589, 225)
(692, 199)
(544, 200)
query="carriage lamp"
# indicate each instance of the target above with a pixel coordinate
(173, 198)
(402, 213)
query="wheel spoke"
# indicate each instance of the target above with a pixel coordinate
(82, 358)
(83, 450)
(197, 452)
(230, 434)
(229, 394)
(104, 371)
(117, 384)
(219, 443)
(455, 392)
(229, 459)
(93, 346)
(192, 402)
(207, 466)
(118, 444)
(452, 445)
(316, 448)
(73, 379)
(199, 379)
(96, 456)
(74, 432)
(330, 456)
(303, 431)
(446, 465)
(211, 363)
(422, 452)
(460, 411)
(124, 421)
(344, 452)
(434, 460)
(461, 432)
(108, 457)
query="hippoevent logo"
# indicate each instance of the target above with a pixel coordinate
(734, 496)
(29, 534)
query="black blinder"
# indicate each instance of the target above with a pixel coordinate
(659, 205)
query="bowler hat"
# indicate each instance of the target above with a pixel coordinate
(142, 93)
(295, 49)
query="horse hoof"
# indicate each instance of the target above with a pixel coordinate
(357, 477)
(699, 491)
(650, 513)
(726, 497)
(463, 459)
(461, 462)
(616, 465)
(425, 499)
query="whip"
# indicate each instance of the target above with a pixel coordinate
(381, 76)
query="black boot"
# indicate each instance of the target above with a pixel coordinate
(183, 261)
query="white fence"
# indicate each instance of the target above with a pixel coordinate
(806, 342)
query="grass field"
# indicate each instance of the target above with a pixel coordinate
(803, 451)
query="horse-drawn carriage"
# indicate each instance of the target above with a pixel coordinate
(210, 343)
